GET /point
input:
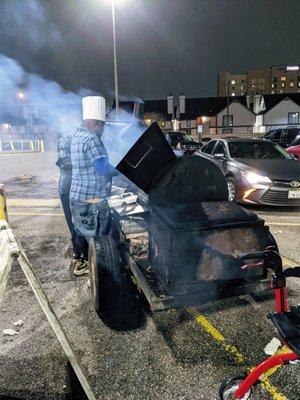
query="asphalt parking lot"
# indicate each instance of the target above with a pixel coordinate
(183, 354)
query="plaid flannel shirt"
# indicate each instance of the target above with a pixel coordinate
(86, 183)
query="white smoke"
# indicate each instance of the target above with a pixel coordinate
(28, 17)
(43, 99)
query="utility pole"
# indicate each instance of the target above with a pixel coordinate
(227, 109)
(113, 5)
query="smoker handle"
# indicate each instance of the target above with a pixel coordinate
(292, 272)
(256, 255)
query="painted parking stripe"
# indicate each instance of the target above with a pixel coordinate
(286, 262)
(217, 336)
(278, 223)
(233, 351)
(37, 214)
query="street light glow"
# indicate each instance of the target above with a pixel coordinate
(21, 95)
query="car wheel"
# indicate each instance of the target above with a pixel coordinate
(231, 188)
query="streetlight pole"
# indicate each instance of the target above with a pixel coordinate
(113, 6)
(227, 108)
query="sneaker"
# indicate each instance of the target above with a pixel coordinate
(81, 268)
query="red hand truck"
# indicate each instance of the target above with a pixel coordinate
(286, 321)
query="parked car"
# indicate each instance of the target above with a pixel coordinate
(295, 150)
(257, 171)
(286, 137)
(184, 142)
(177, 152)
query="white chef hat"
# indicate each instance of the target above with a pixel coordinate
(93, 107)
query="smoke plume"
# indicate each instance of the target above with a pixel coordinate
(22, 93)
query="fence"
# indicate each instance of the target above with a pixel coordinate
(20, 145)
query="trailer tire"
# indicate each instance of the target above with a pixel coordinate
(104, 266)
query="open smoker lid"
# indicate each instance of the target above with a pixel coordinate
(146, 158)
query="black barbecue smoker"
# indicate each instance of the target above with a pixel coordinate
(183, 250)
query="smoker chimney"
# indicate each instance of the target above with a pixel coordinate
(259, 103)
(248, 100)
(182, 103)
(170, 105)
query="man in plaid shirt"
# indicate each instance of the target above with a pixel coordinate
(91, 177)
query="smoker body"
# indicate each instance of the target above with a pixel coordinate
(194, 232)
(198, 243)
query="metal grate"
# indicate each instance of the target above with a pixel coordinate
(279, 197)
(282, 183)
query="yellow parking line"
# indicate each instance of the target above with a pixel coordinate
(288, 263)
(282, 223)
(37, 214)
(238, 356)
(217, 336)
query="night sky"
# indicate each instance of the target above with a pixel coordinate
(163, 45)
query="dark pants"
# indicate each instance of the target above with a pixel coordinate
(80, 245)
(91, 220)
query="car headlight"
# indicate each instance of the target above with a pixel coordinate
(253, 178)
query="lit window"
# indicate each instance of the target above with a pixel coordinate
(298, 84)
(233, 82)
(293, 117)
(242, 93)
(232, 94)
(291, 84)
(273, 91)
(252, 86)
(273, 85)
(283, 85)
(242, 87)
(283, 78)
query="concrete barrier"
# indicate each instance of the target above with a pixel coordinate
(11, 249)
(3, 210)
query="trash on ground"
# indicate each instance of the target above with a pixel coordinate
(25, 177)
(19, 323)
(272, 347)
(10, 332)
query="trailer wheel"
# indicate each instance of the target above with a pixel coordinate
(104, 266)
(228, 388)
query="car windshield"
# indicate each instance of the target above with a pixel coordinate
(187, 138)
(257, 150)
